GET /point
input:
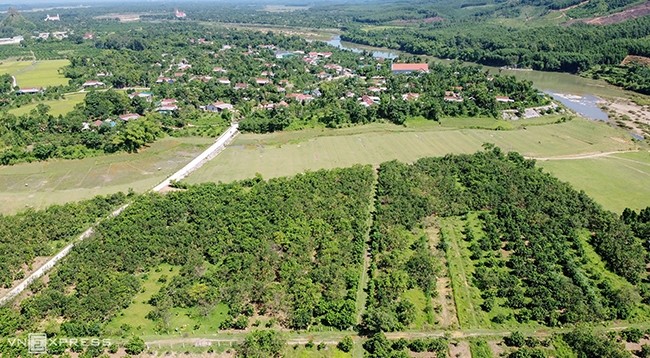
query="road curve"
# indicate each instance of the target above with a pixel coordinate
(212, 151)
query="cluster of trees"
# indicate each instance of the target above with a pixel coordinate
(287, 248)
(567, 49)
(579, 342)
(378, 346)
(39, 135)
(401, 257)
(262, 344)
(30, 234)
(634, 77)
(639, 223)
(136, 57)
(586, 343)
(599, 8)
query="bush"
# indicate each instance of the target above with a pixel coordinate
(632, 335)
(346, 344)
(261, 344)
(135, 346)
(515, 339)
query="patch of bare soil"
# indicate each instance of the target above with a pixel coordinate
(629, 115)
(635, 347)
(631, 13)
(460, 350)
(169, 189)
(445, 307)
(640, 60)
(447, 316)
(496, 347)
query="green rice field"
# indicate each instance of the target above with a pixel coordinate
(57, 107)
(35, 73)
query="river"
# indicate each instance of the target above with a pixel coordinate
(582, 95)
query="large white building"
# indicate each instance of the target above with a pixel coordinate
(11, 40)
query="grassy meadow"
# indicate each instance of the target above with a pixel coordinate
(57, 107)
(287, 153)
(41, 184)
(37, 73)
(616, 181)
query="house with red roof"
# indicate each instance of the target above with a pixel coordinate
(409, 67)
(451, 96)
(270, 106)
(368, 101)
(168, 102)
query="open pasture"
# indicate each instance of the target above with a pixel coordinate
(617, 181)
(287, 153)
(41, 184)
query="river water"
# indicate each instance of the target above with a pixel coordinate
(580, 94)
(376, 52)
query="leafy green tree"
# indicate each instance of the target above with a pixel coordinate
(346, 344)
(261, 344)
(135, 346)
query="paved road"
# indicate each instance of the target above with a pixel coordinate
(196, 163)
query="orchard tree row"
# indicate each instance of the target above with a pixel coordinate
(288, 248)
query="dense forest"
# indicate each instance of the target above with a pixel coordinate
(286, 248)
(568, 49)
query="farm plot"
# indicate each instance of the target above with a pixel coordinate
(36, 73)
(38, 185)
(287, 153)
